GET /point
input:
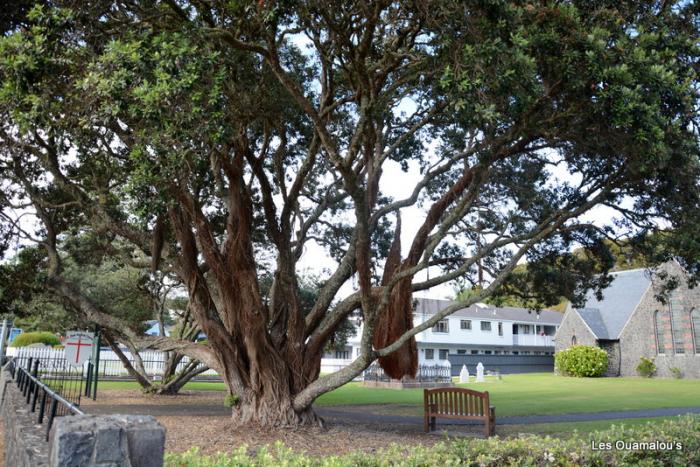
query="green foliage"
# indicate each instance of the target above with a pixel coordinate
(581, 361)
(680, 434)
(231, 400)
(646, 367)
(676, 372)
(28, 338)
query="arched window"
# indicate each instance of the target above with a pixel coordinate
(677, 326)
(659, 330)
(573, 340)
(695, 323)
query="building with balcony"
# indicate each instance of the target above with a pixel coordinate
(477, 330)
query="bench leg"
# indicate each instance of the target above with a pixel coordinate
(492, 418)
(426, 423)
(433, 425)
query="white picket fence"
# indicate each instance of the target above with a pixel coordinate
(153, 361)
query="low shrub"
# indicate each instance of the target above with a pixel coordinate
(581, 361)
(231, 400)
(672, 442)
(29, 338)
(646, 367)
(676, 372)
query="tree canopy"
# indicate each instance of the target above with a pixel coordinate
(219, 140)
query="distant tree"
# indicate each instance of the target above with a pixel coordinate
(219, 139)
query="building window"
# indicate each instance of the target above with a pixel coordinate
(486, 325)
(461, 351)
(429, 354)
(659, 330)
(677, 326)
(465, 324)
(500, 329)
(342, 354)
(497, 352)
(515, 352)
(549, 330)
(695, 323)
(442, 326)
(573, 340)
(487, 352)
(444, 353)
(526, 328)
(474, 352)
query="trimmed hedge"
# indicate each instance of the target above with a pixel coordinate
(581, 361)
(527, 450)
(29, 338)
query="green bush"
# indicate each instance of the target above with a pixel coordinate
(676, 372)
(231, 400)
(29, 338)
(581, 361)
(646, 367)
(681, 447)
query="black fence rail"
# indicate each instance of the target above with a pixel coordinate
(68, 381)
(425, 373)
(47, 403)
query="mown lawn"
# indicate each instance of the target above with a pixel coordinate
(525, 394)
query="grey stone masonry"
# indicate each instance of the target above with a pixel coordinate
(81, 440)
(107, 441)
(25, 441)
(572, 326)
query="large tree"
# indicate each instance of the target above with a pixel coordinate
(221, 139)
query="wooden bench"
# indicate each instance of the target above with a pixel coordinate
(458, 403)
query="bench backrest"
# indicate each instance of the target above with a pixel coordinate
(457, 401)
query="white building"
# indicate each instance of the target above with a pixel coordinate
(478, 330)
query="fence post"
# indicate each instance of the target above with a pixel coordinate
(88, 380)
(42, 409)
(52, 415)
(35, 371)
(36, 394)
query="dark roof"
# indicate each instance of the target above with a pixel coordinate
(482, 311)
(608, 316)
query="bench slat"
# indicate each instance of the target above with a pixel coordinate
(457, 403)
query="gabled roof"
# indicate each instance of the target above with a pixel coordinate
(483, 311)
(608, 316)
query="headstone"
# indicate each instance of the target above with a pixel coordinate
(480, 373)
(464, 375)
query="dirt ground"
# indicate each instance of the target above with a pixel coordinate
(200, 419)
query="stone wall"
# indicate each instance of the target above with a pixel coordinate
(107, 440)
(25, 441)
(612, 348)
(638, 337)
(572, 325)
(84, 440)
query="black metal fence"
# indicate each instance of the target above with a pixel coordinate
(45, 401)
(52, 370)
(425, 373)
(504, 364)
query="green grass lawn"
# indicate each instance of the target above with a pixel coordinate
(566, 429)
(524, 394)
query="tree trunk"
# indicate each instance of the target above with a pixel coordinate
(273, 411)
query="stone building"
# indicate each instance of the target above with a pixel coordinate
(630, 322)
